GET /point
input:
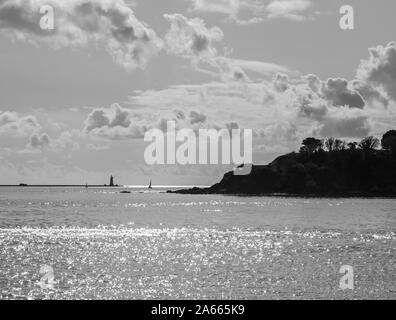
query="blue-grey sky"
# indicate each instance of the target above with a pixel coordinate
(76, 101)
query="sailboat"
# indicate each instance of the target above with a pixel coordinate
(150, 186)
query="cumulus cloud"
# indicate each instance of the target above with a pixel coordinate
(38, 141)
(228, 69)
(96, 119)
(313, 82)
(335, 108)
(288, 108)
(191, 37)
(281, 82)
(192, 119)
(114, 123)
(371, 94)
(13, 123)
(281, 112)
(111, 117)
(379, 70)
(68, 140)
(339, 93)
(111, 24)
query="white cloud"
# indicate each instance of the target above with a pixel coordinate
(379, 70)
(191, 37)
(13, 123)
(281, 112)
(78, 23)
(114, 123)
(288, 9)
(229, 7)
(345, 123)
(258, 67)
(251, 11)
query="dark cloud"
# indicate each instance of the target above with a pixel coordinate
(114, 123)
(338, 92)
(38, 141)
(121, 117)
(196, 117)
(96, 119)
(232, 126)
(13, 16)
(356, 127)
(115, 116)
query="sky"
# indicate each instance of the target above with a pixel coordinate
(76, 101)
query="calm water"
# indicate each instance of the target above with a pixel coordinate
(103, 244)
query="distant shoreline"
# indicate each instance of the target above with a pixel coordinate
(92, 186)
(198, 191)
(58, 186)
(208, 191)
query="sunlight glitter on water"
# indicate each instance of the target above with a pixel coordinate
(102, 244)
(122, 262)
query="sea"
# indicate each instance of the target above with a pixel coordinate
(98, 243)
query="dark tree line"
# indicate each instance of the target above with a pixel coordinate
(336, 167)
(388, 143)
(329, 167)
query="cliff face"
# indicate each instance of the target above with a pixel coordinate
(337, 173)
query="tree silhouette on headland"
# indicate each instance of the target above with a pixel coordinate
(369, 144)
(322, 167)
(389, 141)
(311, 145)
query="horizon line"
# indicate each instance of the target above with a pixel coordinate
(102, 186)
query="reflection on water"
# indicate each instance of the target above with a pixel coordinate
(106, 245)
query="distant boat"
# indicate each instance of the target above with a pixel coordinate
(150, 186)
